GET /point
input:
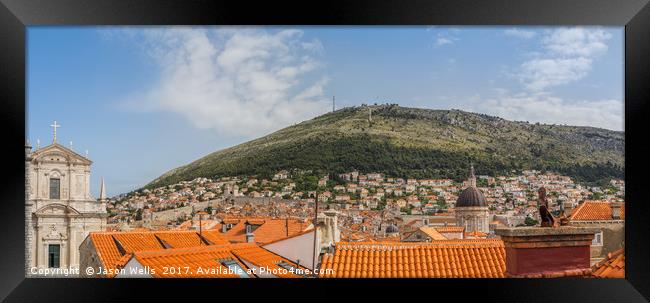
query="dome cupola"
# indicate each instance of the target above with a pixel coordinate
(471, 196)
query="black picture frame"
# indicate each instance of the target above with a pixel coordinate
(16, 15)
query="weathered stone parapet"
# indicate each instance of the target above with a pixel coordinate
(547, 252)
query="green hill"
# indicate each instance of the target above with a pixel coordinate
(420, 143)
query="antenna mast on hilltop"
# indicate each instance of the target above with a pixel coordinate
(333, 103)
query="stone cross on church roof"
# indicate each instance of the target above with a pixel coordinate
(55, 126)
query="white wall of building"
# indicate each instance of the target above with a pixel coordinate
(297, 249)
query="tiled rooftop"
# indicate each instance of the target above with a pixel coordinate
(261, 257)
(112, 246)
(210, 258)
(205, 224)
(611, 267)
(478, 258)
(451, 229)
(269, 230)
(595, 210)
(433, 233)
(188, 260)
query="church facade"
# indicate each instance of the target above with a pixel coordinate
(59, 210)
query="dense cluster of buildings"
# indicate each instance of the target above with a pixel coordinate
(366, 225)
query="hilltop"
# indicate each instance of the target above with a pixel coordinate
(417, 143)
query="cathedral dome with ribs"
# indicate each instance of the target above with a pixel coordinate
(471, 196)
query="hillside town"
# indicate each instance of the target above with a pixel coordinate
(297, 224)
(365, 201)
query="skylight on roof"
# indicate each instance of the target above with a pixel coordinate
(235, 268)
(292, 269)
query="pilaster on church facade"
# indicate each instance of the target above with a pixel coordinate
(59, 210)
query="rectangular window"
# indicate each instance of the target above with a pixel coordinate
(598, 239)
(55, 188)
(54, 253)
(234, 267)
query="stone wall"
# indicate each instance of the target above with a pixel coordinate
(173, 214)
(613, 236)
(88, 258)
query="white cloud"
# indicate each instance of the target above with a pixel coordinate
(577, 41)
(519, 33)
(447, 36)
(543, 108)
(568, 57)
(237, 82)
(538, 74)
(443, 41)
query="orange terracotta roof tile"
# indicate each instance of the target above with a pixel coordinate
(189, 262)
(205, 224)
(595, 210)
(450, 229)
(477, 258)
(433, 233)
(107, 251)
(215, 237)
(611, 267)
(134, 241)
(111, 247)
(207, 261)
(261, 257)
(255, 221)
(231, 221)
(270, 230)
(177, 240)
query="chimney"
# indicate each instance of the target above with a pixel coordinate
(250, 238)
(616, 210)
(224, 228)
(328, 229)
(249, 234)
(547, 252)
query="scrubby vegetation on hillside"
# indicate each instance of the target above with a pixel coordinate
(419, 143)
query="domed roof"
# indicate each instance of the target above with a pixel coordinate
(470, 197)
(392, 229)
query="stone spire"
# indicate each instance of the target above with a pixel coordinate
(472, 177)
(102, 191)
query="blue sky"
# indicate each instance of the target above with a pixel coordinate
(143, 100)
